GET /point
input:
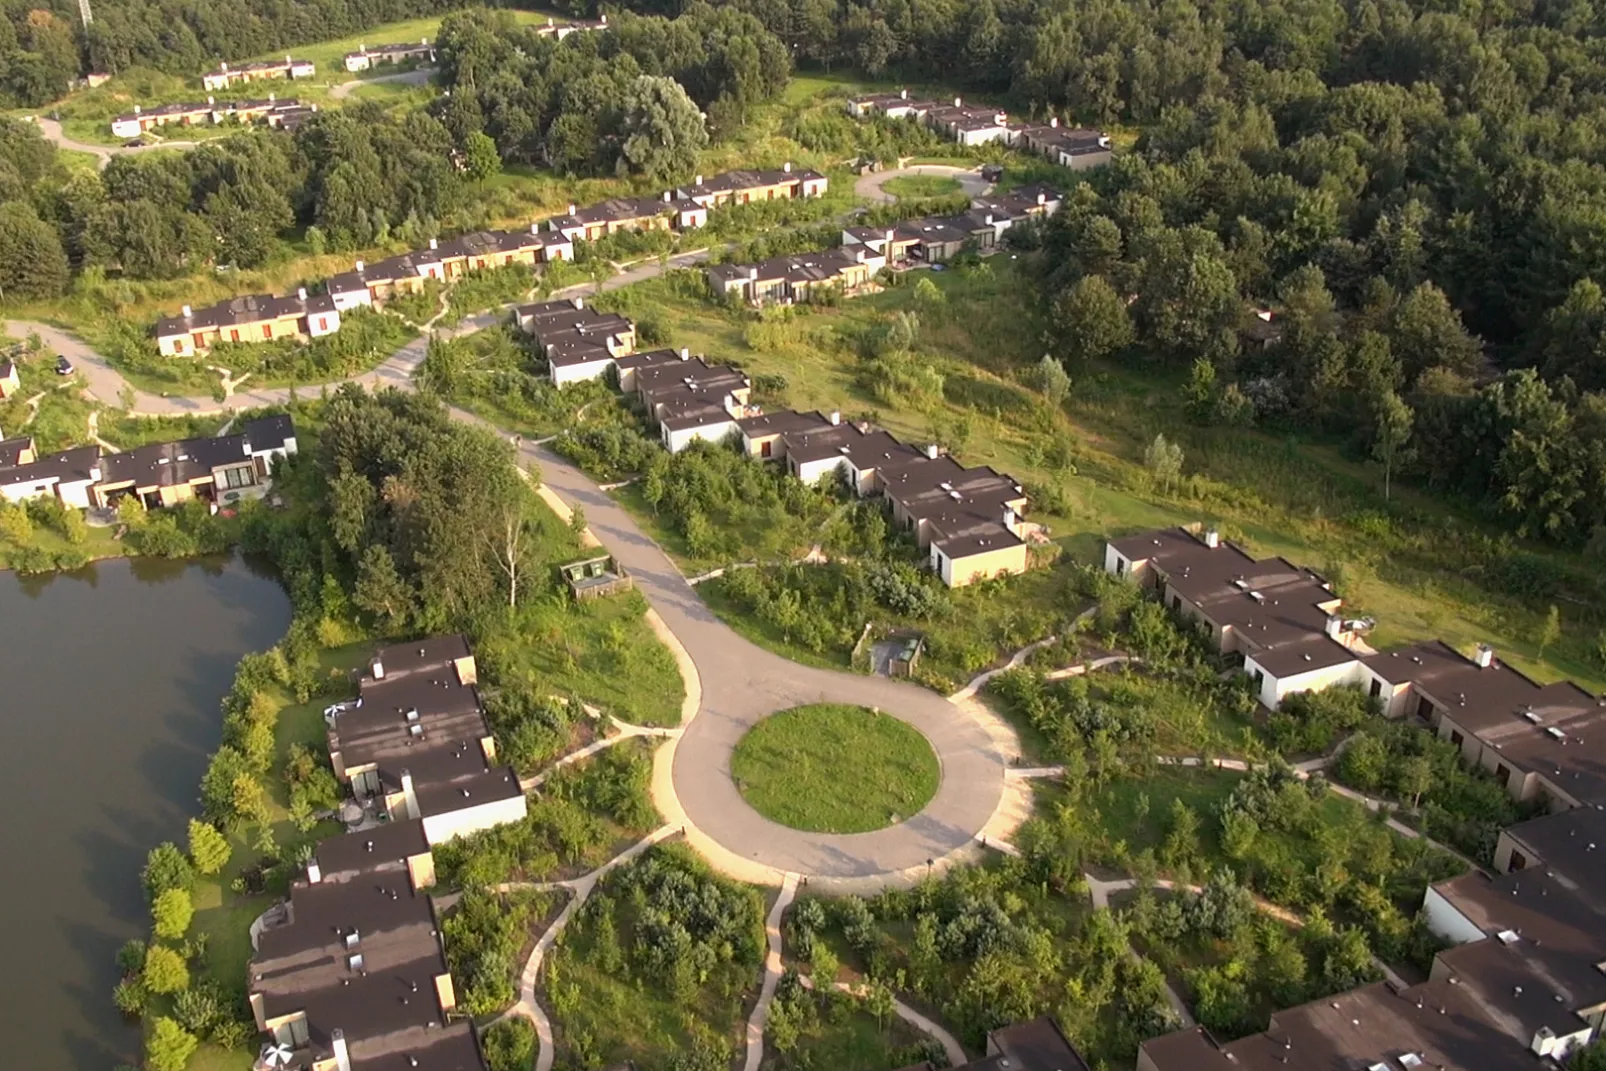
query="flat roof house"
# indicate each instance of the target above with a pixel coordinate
(366, 57)
(416, 740)
(252, 318)
(1434, 1026)
(1077, 149)
(68, 474)
(226, 76)
(579, 343)
(628, 364)
(353, 973)
(968, 519)
(746, 187)
(796, 277)
(1535, 739)
(763, 436)
(1530, 947)
(612, 216)
(221, 469)
(1284, 618)
(692, 400)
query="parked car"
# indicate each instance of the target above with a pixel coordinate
(134, 143)
(63, 366)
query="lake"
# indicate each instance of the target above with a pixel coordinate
(110, 682)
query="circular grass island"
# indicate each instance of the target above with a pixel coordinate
(917, 187)
(833, 768)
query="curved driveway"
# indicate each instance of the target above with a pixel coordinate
(102, 153)
(969, 179)
(418, 76)
(743, 683)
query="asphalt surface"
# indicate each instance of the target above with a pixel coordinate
(969, 179)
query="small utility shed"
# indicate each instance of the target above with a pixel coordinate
(594, 577)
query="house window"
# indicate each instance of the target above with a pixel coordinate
(234, 334)
(240, 476)
(1258, 677)
(1456, 738)
(1518, 861)
(1176, 603)
(1377, 689)
(1503, 773)
(323, 323)
(267, 330)
(1120, 567)
(765, 448)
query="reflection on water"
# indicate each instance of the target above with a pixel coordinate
(110, 679)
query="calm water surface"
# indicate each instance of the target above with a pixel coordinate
(109, 687)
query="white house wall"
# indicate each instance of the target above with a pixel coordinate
(579, 373)
(810, 472)
(443, 827)
(1273, 690)
(1444, 919)
(678, 440)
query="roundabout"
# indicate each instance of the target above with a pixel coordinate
(833, 768)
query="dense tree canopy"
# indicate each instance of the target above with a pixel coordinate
(575, 104)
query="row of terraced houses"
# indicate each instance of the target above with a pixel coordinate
(1523, 983)
(982, 124)
(349, 971)
(865, 251)
(304, 315)
(970, 521)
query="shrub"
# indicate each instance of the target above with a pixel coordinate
(168, 1046)
(171, 913)
(166, 868)
(209, 849)
(165, 970)
(509, 1045)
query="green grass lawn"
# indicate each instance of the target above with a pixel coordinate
(915, 187)
(1135, 810)
(830, 768)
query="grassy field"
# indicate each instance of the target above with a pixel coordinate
(914, 187)
(846, 1038)
(830, 768)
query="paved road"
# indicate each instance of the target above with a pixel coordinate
(419, 76)
(869, 186)
(103, 153)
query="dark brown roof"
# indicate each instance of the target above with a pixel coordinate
(452, 1048)
(441, 795)
(384, 847)
(306, 964)
(1037, 1045)
(1474, 696)
(1572, 845)
(782, 421)
(1537, 966)
(80, 464)
(251, 308)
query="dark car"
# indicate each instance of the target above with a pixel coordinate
(63, 366)
(134, 143)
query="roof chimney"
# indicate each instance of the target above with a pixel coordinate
(188, 312)
(836, 417)
(1010, 520)
(699, 181)
(752, 273)
(1054, 122)
(301, 293)
(272, 97)
(932, 450)
(579, 302)
(1484, 656)
(685, 354)
(314, 871)
(337, 1045)
(379, 670)
(1041, 197)
(535, 228)
(209, 99)
(787, 167)
(136, 109)
(958, 103)
(1212, 538)
(571, 210)
(361, 267)
(669, 195)
(903, 94)
(1333, 626)
(432, 243)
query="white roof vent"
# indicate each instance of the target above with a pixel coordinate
(412, 715)
(1410, 1059)
(1556, 734)
(1508, 937)
(355, 962)
(351, 939)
